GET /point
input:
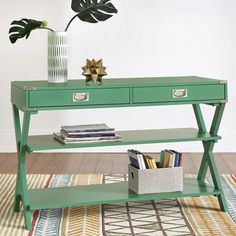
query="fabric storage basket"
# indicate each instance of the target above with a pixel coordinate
(155, 180)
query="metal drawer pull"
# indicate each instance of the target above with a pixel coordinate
(179, 93)
(80, 97)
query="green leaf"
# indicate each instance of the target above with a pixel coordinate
(101, 17)
(85, 16)
(108, 8)
(22, 28)
(93, 11)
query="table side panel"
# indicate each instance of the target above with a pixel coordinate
(19, 97)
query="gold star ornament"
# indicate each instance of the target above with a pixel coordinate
(94, 70)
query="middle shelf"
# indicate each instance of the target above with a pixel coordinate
(48, 142)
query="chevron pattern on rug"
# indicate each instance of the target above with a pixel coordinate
(163, 217)
(145, 218)
(169, 217)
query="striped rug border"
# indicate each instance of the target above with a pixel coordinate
(204, 213)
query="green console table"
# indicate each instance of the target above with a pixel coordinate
(31, 97)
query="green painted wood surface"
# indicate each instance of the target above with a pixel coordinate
(153, 94)
(47, 142)
(40, 95)
(107, 193)
(21, 190)
(117, 82)
(64, 97)
(33, 96)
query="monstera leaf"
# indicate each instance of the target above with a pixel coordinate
(90, 11)
(93, 11)
(23, 28)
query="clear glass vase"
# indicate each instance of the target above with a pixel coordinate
(57, 57)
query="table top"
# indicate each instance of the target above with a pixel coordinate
(117, 82)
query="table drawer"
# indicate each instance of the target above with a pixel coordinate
(179, 93)
(78, 97)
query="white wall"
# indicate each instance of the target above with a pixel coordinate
(146, 38)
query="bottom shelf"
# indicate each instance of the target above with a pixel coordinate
(107, 193)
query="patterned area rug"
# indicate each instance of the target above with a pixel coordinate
(184, 216)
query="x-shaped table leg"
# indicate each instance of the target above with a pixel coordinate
(21, 191)
(208, 157)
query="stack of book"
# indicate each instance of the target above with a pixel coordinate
(86, 133)
(170, 158)
(141, 161)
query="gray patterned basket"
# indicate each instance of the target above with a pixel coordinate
(155, 180)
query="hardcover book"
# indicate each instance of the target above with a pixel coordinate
(138, 156)
(134, 162)
(84, 140)
(87, 128)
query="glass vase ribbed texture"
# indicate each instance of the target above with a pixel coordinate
(57, 57)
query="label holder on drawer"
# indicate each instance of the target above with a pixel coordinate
(80, 97)
(179, 93)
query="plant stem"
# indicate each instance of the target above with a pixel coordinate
(45, 28)
(49, 29)
(70, 22)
